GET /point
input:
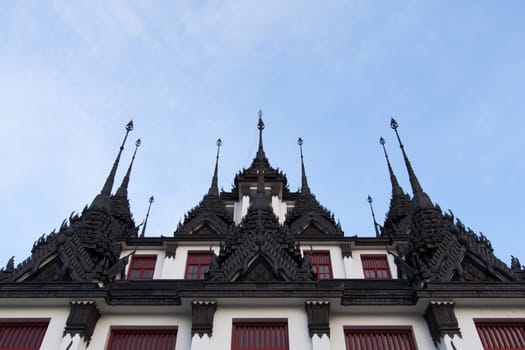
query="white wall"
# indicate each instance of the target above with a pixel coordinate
(159, 264)
(338, 270)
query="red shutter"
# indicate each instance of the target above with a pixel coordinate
(135, 339)
(22, 336)
(379, 339)
(499, 336)
(375, 266)
(142, 267)
(321, 264)
(259, 335)
(197, 264)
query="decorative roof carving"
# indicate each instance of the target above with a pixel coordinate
(309, 216)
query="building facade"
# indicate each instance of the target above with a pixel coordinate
(262, 267)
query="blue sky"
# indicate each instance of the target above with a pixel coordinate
(72, 73)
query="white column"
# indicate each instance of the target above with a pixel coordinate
(347, 264)
(169, 269)
(73, 343)
(200, 343)
(322, 343)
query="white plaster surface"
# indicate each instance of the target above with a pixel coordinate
(73, 343)
(322, 343)
(198, 343)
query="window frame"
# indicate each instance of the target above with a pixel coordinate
(119, 330)
(369, 257)
(496, 338)
(132, 268)
(35, 336)
(406, 331)
(314, 254)
(200, 273)
(261, 322)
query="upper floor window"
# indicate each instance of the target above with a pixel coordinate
(321, 264)
(22, 335)
(358, 338)
(260, 334)
(142, 267)
(197, 264)
(375, 266)
(501, 335)
(143, 339)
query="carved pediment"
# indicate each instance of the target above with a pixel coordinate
(261, 271)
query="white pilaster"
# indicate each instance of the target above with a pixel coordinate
(447, 343)
(322, 343)
(347, 263)
(200, 343)
(73, 343)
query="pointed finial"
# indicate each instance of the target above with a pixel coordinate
(214, 189)
(376, 225)
(396, 189)
(260, 125)
(151, 200)
(420, 197)
(305, 189)
(123, 189)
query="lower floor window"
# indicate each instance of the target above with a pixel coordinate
(143, 339)
(22, 335)
(379, 339)
(260, 334)
(496, 335)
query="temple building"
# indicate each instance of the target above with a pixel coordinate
(262, 267)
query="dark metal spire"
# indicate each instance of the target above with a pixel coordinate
(396, 189)
(376, 225)
(108, 185)
(123, 189)
(261, 200)
(214, 189)
(420, 197)
(260, 125)
(151, 200)
(304, 182)
(102, 200)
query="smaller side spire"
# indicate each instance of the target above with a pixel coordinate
(143, 232)
(421, 199)
(214, 189)
(396, 188)
(376, 225)
(305, 189)
(123, 189)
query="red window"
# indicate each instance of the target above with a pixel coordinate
(501, 335)
(379, 339)
(142, 267)
(140, 339)
(375, 266)
(21, 335)
(320, 260)
(197, 264)
(260, 335)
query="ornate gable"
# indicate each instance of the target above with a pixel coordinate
(310, 217)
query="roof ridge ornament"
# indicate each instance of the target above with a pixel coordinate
(305, 189)
(421, 199)
(214, 189)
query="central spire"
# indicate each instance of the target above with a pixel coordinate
(420, 199)
(304, 182)
(260, 152)
(214, 189)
